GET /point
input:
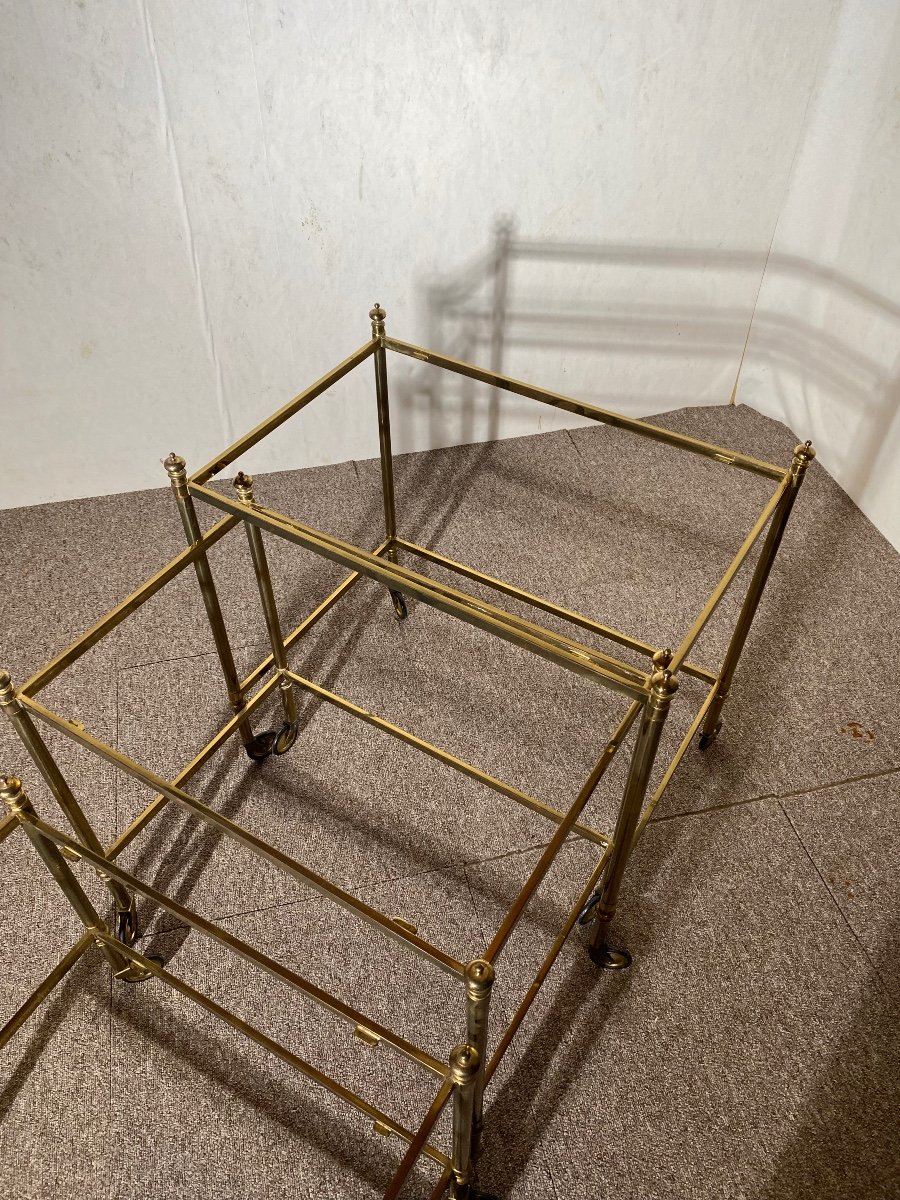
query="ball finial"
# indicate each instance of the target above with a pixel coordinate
(377, 315)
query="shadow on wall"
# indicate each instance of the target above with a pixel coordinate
(660, 327)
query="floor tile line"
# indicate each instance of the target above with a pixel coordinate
(831, 896)
(721, 807)
(839, 783)
(156, 662)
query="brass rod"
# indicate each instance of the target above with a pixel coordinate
(803, 456)
(410, 1158)
(124, 839)
(243, 485)
(253, 843)
(565, 614)
(158, 803)
(643, 755)
(382, 401)
(274, 1047)
(727, 579)
(458, 764)
(176, 470)
(246, 951)
(16, 800)
(672, 767)
(115, 616)
(464, 1064)
(40, 755)
(309, 621)
(643, 428)
(543, 971)
(43, 990)
(568, 824)
(551, 646)
(242, 445)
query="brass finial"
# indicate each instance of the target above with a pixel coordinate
(175, 466)
(13, 795)
(377, 315)
(803, 456)
(662, 658)
(463, 1064)
(480, 977)
(7, 691)
(243, 485)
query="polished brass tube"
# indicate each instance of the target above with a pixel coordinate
(244, 950)
(445, 1091)
(249, 440)
(544, 970)
(463, 1072)
(308, 622)
(377, 315)
(567, 826)
(175, 468)
(43, 990)
(40, 755)
(480, 978)
(243, 485)
(565, 614)
(554, 647)
(803, 456)
(458, 764)
(274, 1047)
(124, 839)
(253, 843)
(130, 604)
(663, 689)
(604, 416)
(15, 799)
(673, 766)
(727, 579)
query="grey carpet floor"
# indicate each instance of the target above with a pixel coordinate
(753, 1048)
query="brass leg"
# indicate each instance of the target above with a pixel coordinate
(126, 918)
(803, 456)
(603, 905)
(20, 806)
(479, 982)
(175, 466)
(285, 737)
(377, 315)
(464, 1067)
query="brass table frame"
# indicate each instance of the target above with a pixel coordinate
(467, 1069)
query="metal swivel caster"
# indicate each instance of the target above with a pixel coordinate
(400, 610)
(610, 958)
(127, 930)
(273, 741)
(706, 739)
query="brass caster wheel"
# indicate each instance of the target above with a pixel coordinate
(127, 931)
(401, 612)
(287, 735)
(610, 958)
(706, 739)
(262, 745)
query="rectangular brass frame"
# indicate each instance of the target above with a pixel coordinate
(467, 1068)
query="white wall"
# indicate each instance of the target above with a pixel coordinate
(201, 201)
(824, 349)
